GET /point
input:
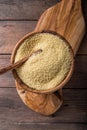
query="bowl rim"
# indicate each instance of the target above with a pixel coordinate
(57, 87)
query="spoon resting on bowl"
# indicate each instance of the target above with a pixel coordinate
(18, 63)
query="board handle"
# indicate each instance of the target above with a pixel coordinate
(65, 18)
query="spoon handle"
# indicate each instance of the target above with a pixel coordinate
(12, 66)
(18, 63)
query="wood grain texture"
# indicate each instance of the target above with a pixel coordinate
(28, 9)
(13, 113)
(23, 9)
(74, 108)
(78, 80)
(64, 18)
(45, 104)
(12, 31)
(43, 126)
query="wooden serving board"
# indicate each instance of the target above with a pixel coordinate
(66, 19)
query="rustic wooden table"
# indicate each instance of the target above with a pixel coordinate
(18, 17)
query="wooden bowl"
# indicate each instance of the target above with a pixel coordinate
(22, 84)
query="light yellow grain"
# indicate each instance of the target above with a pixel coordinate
(48, 68)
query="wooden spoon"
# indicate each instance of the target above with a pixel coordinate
(18, 63)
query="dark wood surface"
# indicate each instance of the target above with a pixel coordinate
(18, 17)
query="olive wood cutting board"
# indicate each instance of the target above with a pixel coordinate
(65, 18)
